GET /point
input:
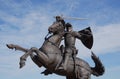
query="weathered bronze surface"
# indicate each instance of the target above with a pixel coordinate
(62, 59)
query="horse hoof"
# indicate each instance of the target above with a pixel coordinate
(10, 46)
(22, 64)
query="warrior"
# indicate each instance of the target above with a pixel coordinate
(69, 41)
(70, 48)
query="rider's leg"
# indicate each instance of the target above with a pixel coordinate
(68, 53)
(65, 62)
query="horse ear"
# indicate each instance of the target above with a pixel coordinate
(87, 37)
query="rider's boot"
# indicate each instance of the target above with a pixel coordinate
(60, 67)
(63, 66)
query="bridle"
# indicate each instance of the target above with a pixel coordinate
(60, 34)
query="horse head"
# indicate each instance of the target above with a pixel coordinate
(56, 28)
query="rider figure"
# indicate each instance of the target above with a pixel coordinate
(69, 41)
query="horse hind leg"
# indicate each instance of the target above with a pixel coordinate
(42, 57)
(82, 73)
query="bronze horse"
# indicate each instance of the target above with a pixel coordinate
(50, 55)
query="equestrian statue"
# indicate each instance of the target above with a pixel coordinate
(61, 59)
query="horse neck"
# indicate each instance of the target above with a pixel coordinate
(56, 38)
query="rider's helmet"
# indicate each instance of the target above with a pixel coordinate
(68, 27)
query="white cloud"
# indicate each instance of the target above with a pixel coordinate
(107, 38)
(114, 69)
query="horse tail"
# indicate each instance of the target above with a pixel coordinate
(99, 68)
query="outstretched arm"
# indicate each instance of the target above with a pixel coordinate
(80, 35)
(76, 34)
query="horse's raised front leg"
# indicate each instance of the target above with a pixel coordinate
(33, 57)
(16, 47)
(42, 57)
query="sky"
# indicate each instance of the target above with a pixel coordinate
(26, 22)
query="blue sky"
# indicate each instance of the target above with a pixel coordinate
(25, 22)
